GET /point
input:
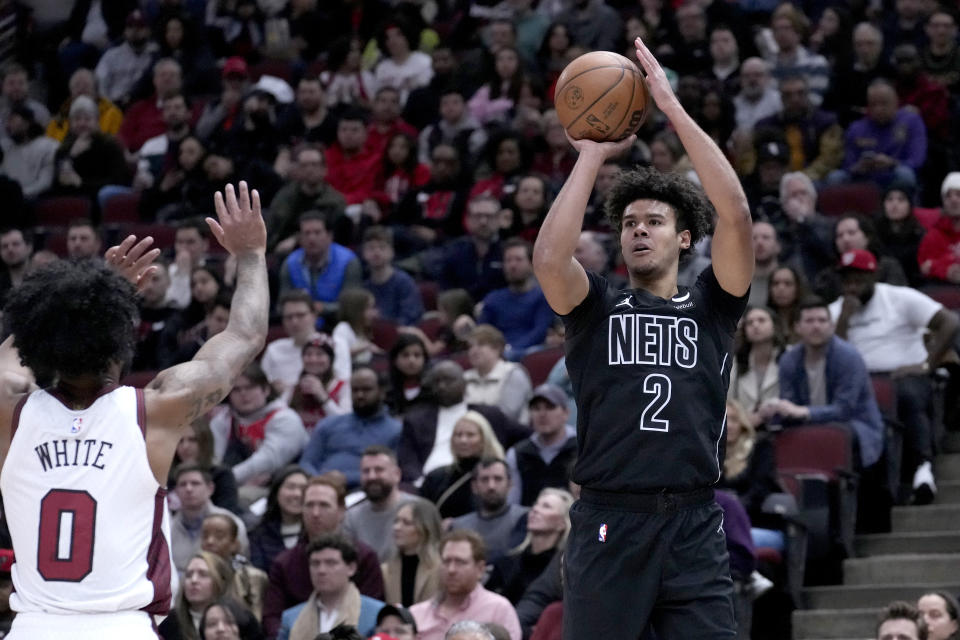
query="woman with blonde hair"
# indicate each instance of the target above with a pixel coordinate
(448, 487)
(411, 574)
(207, 579)
(548, 524)
(749, 470)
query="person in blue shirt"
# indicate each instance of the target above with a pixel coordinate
(338, 442)
(397, 295)
(518, 310)
(320, 266)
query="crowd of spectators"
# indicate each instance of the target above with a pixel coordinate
(391, 445)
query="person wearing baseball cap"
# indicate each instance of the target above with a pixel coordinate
(887, 323)
(395, 623)
(546, 458)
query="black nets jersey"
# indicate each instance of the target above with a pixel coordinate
(650, 379)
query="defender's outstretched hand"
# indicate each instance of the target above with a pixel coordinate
(657, 80)
(240, 227)
(132, 260)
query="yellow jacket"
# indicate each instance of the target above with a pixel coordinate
(110, 119)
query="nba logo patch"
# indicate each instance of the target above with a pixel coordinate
(77, 425)
(603, 533)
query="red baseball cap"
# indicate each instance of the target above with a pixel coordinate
(381, 636)
(235, 66)
(859, 259)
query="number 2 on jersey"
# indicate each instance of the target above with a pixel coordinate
(661, 387)
(65, 548)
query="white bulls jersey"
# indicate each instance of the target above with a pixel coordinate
(88, 519)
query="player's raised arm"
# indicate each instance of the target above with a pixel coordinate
(563, 280)
(732, 248)
(182, 393)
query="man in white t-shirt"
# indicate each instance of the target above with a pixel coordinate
(887, 325)
(283, 359)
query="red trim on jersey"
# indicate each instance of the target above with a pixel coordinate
(15, 420)
(141, 412)
(159, 571)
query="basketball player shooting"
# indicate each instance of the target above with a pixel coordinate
(85, 461)
(650, 367)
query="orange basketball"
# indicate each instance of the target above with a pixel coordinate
(601, 96)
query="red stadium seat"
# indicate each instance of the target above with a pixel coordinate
(61, 211)
(384, 333)
(123, 207)
(428, 293)
(275, 332)
(946, 294)
(857, 197)
(431, 324)
(539, 363)
(886, 398)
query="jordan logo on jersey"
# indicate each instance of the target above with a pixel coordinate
(647, 339)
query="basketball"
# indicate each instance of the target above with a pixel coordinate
(601, 96)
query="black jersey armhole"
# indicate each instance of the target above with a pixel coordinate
(15, 419)
(141, 412)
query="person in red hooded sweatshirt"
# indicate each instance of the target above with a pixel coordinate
(353, 165)
(939, 252)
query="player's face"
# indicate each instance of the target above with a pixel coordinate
(849, 236)
(461, 572)
(758, 326)
(548, 514)
(321, 511)
(649, 238)
(815, 327)
(899, 629)
(783, 287)
(410, 360)
(492, 486)
(298, 319)
(216, 537)
(198, 586)
(329, 574)
(218, 624)
(939, 624)
(405, 533)
(394, 626)
(290, 495)
(193, 489)
(247, 396)
(547, 418)
(378, 476)
(467, 440)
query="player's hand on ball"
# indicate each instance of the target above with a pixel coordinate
(657, 80)
(606, 150)
(132, 260)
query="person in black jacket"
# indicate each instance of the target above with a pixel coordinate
(279, 529)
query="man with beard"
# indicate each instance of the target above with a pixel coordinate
(371, 519)
(157, 154)
(15, 249)
(338, 442)
(757, 98)
(144, 118)
(121, 66)
(886, 324)
(518, 310)
(308, 119)
(502, 525)
(427, 428)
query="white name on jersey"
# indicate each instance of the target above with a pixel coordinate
(54, 454)
(647, 339)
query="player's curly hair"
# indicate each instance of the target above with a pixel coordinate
(693, 211)
(72, 318)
